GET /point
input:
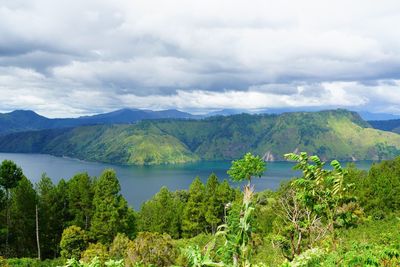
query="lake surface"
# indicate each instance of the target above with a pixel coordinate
(140, 183)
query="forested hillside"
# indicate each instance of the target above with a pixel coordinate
(337, 134)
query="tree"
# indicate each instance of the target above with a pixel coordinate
(225, 196)
(111, 213)
(380, 191)
(193, 220)
(22, 226)
(321, 195)
(51, 216)
(80, 200)
(10, 175)
(161, 214)
(73, 241)
(213, 206)
(247, 167)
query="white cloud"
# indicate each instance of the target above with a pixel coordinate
(83, 57)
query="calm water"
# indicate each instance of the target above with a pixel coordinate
(139, 183)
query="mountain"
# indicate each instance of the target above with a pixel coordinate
(26, 120)
(22, 120)
(369, 116)
(338, 134)
(387, 125)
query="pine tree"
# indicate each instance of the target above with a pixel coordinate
(193, 221)
(212, 204)
(161, 214)
(80, 199)
(50, 217)
(111, 213)
(10, 175)
(22, 227)
(225, 196)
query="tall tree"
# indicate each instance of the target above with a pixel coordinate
(111, 213)
(50, 220)
(161, 214)
(80, 198)
(10, 175)
(22, 226)
(193, 221)
(213, 206)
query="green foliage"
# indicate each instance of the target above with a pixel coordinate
(80, 200)
(119, 247)
(22, 227)
(213, 206)
(151, 249)
(73, 241)
(247, 167)
(331, 134)
(95, 251)
(198, 258)
(193, 220)
(29, 262)
(238, 232)
(111, 213)
(10, 174)
(314, 206)
(313, 220)
(51, 217)
(379, 192)
(95, 262)
(162, 214)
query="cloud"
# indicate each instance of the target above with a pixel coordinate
(198, 54)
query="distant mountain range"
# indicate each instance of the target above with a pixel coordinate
(368, 116)
(338, 134)
(27, 120)
(387, 125)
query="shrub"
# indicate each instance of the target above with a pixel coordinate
(73, 242)
(151, 249)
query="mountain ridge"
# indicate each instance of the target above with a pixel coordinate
(386, 125)
(27, 120)
(338, 134)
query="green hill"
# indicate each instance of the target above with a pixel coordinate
(332, 134)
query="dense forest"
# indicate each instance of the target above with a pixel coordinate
(334, 134)
(329, 216)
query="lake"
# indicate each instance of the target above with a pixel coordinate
(140, 183)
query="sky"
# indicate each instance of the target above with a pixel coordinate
(73, 58)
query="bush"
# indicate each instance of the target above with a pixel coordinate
(119, 247)
(151, 249)
(73, 242)
(97, 250)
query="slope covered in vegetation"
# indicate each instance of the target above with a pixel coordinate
(331, 134)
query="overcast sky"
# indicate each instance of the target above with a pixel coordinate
(71, 58)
